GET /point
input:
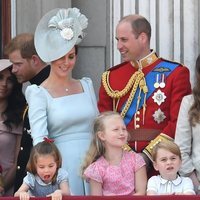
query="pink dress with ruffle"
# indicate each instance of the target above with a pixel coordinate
(116, 179)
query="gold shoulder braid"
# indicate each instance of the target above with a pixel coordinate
(140, 76)
(25, 111)
(160, 138)
(137, 79)
(116, 94)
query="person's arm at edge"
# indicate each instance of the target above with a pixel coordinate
(22, 192)
(140, 181)
(9, 178)
(64, 187)
(37, 113)
(95, 188)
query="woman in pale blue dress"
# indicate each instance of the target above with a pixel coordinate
(63, 108)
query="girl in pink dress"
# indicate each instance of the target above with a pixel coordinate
(109, 169)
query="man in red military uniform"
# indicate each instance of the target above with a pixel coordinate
(145, 89)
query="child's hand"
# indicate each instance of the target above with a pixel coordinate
(57, 195)
(24, 196)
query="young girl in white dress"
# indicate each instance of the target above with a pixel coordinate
(45, 177)
(108, 168)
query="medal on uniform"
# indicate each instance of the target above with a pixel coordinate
(162, 84)
(159, 116)
(159, 97)
(156, 84)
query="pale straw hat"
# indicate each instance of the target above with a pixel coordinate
(4, 63)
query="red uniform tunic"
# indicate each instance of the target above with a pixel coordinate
(177, 85)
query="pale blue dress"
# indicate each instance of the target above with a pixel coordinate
(38, 188)
(68, 120)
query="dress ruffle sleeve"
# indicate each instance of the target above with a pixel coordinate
(62, 176)
(29, 179)
(37, 112)
(94, 172)
(139, 161)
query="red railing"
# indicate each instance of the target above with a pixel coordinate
(163, 197)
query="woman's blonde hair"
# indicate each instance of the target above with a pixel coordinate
(97, 148)
(167, 145)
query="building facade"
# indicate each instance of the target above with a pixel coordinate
(175, 29)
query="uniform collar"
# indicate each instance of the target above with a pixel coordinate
(147, 60)
(177, 181)
(41, 76)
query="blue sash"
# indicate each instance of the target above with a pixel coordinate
(163, 67)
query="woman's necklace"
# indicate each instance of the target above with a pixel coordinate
(69, 88)
(53, 89)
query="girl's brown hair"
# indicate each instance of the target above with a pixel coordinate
(44, 148)
(194, 112)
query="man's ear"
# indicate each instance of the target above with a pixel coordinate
(34, 59)
(101, 135)
(143, 37)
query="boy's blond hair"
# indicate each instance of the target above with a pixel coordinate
(167, 145)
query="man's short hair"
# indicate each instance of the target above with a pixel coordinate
(23, 42)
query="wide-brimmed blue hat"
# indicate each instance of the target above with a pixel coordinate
(58, 32)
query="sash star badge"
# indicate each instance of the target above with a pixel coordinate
(159, 116)
(159, 97)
